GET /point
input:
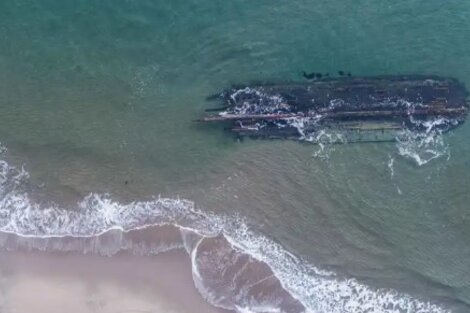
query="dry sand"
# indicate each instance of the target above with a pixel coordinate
(49, 283)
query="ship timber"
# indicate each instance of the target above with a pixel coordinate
(360, 108)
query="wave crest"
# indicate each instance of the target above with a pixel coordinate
(234, 267)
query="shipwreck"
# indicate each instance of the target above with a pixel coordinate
(353, 108)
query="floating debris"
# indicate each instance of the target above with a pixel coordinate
(354, 108)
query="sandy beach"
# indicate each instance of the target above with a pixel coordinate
(348, 194)
(49, 283)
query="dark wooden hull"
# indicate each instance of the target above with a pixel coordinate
(383, 104)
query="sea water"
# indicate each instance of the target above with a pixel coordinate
(101, 154)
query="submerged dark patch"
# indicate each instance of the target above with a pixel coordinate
(359, 105)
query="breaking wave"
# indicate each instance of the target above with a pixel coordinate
(233, 266)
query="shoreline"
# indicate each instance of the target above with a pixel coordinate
(76, 283)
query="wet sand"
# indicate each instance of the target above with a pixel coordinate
(52, 282)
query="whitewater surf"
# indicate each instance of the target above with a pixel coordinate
(233, 266)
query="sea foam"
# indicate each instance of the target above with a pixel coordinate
(234, 266)
(420, 141)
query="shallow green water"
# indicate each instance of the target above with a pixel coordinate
(94, 94)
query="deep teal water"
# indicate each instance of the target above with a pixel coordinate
(93, 94)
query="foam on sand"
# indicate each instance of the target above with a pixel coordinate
(233, 266)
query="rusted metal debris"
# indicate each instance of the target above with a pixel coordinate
(349, 105)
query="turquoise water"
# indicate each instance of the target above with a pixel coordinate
(97, 94)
